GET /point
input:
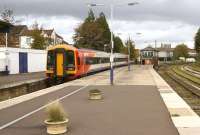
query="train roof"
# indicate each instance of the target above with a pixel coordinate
(65, 46)
(97, 52)
(102, 53)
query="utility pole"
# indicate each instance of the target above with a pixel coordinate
(156, 60)
(6, 51)
(129, 53)
(112, 46)
(156, 49)
(111, 33)
(54, 38)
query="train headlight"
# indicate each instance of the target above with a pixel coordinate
(71, 68)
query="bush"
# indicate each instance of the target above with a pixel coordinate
(55, 112)
(95, 91)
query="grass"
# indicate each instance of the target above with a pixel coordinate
(175, 115)
(195, 67)
(55, 112)
(95, 91)
(186, 75)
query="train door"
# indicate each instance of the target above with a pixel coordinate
(23, 63)
(59, 63)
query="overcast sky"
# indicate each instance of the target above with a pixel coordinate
(167, 21)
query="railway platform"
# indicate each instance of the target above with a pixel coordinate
(140, 102)
(7, 81)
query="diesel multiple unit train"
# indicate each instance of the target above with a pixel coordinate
(66, 61)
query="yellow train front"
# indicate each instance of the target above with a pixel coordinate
(61, 62)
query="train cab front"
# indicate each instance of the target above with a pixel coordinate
(61, 62)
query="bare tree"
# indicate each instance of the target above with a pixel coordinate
(8, 16)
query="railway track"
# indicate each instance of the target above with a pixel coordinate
(187, 85)
(195, 73)
(187, 90)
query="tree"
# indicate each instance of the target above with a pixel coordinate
(118, 44)
(38, 39)
(95, 34)
(197, 41)
(89, 34)
(8, 16)
(103, 24)
(91, 16)
(181, 51)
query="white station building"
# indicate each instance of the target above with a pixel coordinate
(17, 60)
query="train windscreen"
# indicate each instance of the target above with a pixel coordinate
(70, 59)
(50, 59)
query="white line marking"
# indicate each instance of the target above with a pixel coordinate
(42, 107)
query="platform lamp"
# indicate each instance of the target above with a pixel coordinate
(128, 47)
(111, 39)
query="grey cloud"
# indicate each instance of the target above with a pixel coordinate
(187, 11)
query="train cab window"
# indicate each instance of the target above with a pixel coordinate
(50, 59)
(70, 59)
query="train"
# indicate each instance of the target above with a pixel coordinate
(66, 61)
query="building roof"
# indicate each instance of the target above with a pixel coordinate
(27, 32)
(48, 32)
(191, 50)
(59, 36)
(18, 29)
(165, 49)
(149, 48)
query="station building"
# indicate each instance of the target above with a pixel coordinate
(16, 55)
(17, 60)
(163, 54)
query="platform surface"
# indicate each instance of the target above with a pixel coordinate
(124, 110)
(140, 103)
(20, 78)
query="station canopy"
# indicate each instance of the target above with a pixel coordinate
(5, 27)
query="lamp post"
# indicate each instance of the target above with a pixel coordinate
(6, 52)
(128, 47)
(111, 34)
(129, 53)
(112, 42)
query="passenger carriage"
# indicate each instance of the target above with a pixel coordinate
(66, 61)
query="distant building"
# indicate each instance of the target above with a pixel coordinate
(148, 54)
(19, 36)
(192, 53)
(26, 39)
(52, 37)
(163, 54)
(14, 36)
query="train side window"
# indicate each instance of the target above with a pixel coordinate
(78, 61)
